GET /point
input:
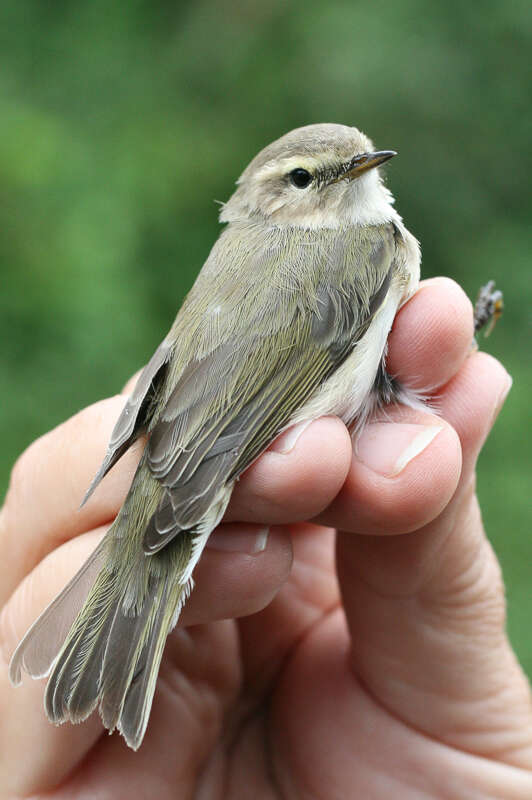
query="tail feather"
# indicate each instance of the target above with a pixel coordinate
(111, 657)
(38, 649)
(76, 697)
(138, 700)
(60, 682)
(120, 661)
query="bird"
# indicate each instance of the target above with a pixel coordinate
(287, 321)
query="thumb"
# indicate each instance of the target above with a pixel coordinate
(426, 609)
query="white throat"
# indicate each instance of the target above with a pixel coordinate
(369, 202)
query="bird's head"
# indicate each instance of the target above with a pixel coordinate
(317, 176)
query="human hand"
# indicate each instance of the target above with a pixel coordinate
(392, 674)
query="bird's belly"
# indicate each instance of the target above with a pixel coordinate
(347, 391)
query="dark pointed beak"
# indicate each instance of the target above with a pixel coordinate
(366, 161)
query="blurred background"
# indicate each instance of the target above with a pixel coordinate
(123, 122)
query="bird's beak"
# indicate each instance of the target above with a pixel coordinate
(364, 162)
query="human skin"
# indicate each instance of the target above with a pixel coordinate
(389, 674)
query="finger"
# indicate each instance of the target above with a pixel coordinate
(41, 510)
(426, 610)
(42, 507)
(311, 591)
(403, 473)
(431, 336)
(472, 400)
(240, 571)
(297, 477)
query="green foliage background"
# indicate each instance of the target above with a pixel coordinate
(121, 123)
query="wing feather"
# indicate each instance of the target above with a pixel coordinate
(308, 352)
(135, 415)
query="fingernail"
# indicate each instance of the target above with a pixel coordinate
(235, 538)
(286, 442)
(387, 447)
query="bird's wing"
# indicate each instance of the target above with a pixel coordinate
(135, 415)
(227, 407)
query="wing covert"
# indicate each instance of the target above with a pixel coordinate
(264, 380)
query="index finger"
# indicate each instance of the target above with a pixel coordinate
(42, 507)
(41, 510)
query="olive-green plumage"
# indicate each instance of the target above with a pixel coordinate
(287, 320)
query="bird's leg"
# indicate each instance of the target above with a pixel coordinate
(387, 391)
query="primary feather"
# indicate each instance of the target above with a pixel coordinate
(287, 319)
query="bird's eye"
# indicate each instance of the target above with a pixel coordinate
(300, 178)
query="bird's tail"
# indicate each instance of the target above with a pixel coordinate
(112, 654)
(108, 654)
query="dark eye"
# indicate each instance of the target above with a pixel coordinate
(300, 177)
